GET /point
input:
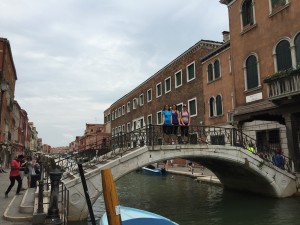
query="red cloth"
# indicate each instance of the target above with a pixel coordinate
(15, 168)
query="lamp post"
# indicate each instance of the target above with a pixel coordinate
(53, 211)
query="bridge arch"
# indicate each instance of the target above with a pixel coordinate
(235, 167)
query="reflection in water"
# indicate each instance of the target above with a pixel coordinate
(188, 202)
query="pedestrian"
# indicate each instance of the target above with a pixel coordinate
(29, 170)
(185, 123)
(167, 123)
(175, 123)
(15, 175)
(22, 171)
(278, 159)
(1, 169)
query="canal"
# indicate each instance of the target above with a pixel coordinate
(188, 202)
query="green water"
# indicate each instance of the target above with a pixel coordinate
(188, 202)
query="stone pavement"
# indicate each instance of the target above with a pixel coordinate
(4, 202)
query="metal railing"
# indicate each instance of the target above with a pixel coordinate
(153, 135)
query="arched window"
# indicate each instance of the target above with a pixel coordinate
(297, 45)
(251, 72)
(219, 105)
(283, 55)
(217, 69)
(211, 107)
(247, 13)
(210, 72)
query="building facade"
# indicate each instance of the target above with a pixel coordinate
(250, 81)
(265, 59)
(178, 83)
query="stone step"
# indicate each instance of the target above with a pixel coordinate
(27, 201)
(12, 212)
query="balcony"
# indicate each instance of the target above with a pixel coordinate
(284, 84)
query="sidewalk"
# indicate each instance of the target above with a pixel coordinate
(4, 183)
(201, 175)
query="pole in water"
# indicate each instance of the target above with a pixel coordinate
(110, 197)
(86, 193)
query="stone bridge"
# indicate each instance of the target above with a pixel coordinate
(235, 167)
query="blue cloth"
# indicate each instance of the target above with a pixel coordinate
(167, 115)
(278, 160)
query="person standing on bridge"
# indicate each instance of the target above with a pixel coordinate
(185, 123)
(167, 123)
(175, 122)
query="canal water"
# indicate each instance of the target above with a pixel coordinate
(189, 202)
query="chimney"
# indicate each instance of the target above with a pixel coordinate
(226, 36)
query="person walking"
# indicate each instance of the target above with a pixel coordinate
(15, 175)
(1, 169)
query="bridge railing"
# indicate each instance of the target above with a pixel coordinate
(152, 135)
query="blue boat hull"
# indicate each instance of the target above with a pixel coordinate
(132, 216)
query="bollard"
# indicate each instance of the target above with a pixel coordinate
(53, 211)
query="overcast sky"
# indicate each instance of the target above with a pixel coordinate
(74, 58)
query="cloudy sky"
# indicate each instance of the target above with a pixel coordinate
(74, 58)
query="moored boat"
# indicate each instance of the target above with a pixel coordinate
(152, 170)
(133, 216)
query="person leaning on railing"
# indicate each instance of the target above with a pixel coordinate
(251, 148)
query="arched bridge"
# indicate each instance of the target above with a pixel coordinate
(219, 149)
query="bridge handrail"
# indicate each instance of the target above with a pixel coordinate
(152, 135)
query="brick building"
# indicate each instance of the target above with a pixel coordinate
(177, 83)
(265, 59)
(250, 81)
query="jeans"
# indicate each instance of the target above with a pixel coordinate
(12, 183)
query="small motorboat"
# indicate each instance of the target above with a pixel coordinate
(152, 170)
(132, 216)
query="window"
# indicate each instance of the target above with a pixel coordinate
(128, 107)
(219, 105)
(268, 140)
(179, 107)
(213, 71)
(149, 95)
(141, 99)
(159, 119)
(108, 118)
(215, 106)
(283, 55)
(217, 69)
(178, 79)
(134, 103)
(211, 107)
(128, 127)
(277, 3)
(297, 48)
(123, 109)
(191, 72)
(192, 107)
(247, 13)
(158, 90)
(167, 85)
(149, 119)
(252, 79)
(119, 112)
(210, 74)
(116, 114)
(112, 116)
(123, 128)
